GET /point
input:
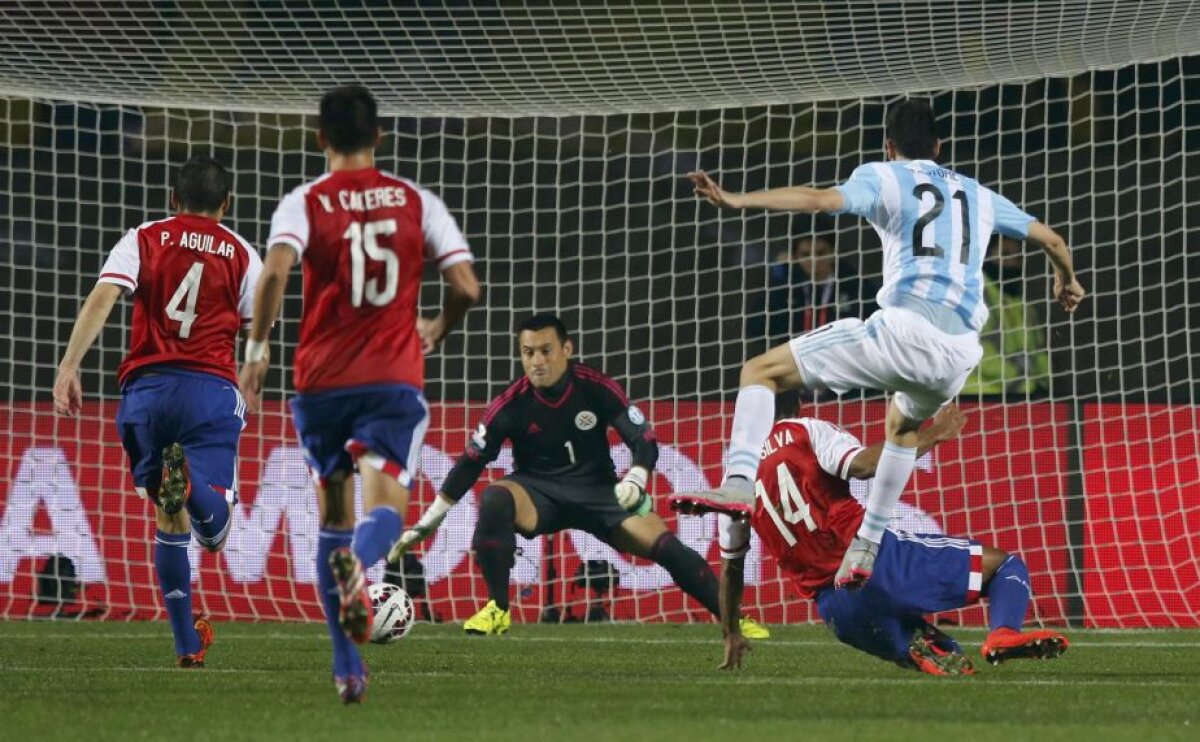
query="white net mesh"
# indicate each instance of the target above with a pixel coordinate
(1081, 452)
(466, 59)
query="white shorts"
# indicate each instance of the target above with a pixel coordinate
(895, 350)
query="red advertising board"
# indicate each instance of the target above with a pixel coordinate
(64, 488)
(1142, 531)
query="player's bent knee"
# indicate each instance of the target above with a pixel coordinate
(764, 370)
(174, 523)
(993, 559)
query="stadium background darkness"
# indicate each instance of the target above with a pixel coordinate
(590, 216)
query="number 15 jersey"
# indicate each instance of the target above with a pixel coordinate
(935, 225)
(363, 237)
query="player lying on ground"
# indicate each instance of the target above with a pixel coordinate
(934, 224)
(181, 413)
(362, 236)
(806, 517)
(557, 416)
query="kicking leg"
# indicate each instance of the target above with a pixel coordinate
(753, 415)
(384, 500)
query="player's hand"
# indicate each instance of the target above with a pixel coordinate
(1068, 293)
(68, 392)
(409, 539)
(948, 423)
(708, 189)
(631, 491)
(251, 380)
(431, 331)
(736, 647)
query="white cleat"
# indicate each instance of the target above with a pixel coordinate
(727, 499)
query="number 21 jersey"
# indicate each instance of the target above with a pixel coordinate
(362, 237)
(935, 225)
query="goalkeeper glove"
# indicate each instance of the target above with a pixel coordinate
(631, 491)
(422, 529)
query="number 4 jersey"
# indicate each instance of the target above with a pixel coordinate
(363, 237)
(193, 284)
(804, 512)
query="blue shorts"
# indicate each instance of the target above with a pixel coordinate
(202, 412)
(914, 575)
(382, 426)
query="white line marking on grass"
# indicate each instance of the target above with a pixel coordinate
(400, 677)
(320, 636)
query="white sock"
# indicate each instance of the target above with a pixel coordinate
(891, 476)
(753, 416)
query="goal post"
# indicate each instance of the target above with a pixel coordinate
(559, 138)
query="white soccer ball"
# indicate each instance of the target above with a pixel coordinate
(394, 612)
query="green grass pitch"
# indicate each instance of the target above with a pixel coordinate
(114, 681)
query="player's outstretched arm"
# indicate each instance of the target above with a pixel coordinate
(68, 391)
(946, 425)
(1067, 289)
(462, 291)
(730, 596)
(268, 297)
(791, 198)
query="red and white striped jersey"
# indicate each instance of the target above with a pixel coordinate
(193, 283)
(804, 512)
(362, 237)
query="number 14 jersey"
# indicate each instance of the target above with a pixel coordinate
(363, 237)
(803, 511)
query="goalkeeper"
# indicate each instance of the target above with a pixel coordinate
(557, 416)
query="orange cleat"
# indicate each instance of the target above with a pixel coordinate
(930, 658)
(196, 659)
(1009, 644)
(355, 615)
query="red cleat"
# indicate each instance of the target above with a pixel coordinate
(355, 615)
(1009, 644)
(196, 659)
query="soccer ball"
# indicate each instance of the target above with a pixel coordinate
(394, 612)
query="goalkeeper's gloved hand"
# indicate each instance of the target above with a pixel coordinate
(631, 491)
(409, 539)
(422, 529)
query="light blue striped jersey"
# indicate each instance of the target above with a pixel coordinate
(935, 225)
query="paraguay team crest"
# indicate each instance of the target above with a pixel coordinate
(585, 420)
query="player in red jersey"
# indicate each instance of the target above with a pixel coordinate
(806, 518)
(362, 236)
(181, 413)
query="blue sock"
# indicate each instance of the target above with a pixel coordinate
(175, 579)
(1008, 594)
(375, 534)
(346, 660)
(209, 513)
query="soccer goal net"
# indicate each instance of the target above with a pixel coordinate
(559, 138)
